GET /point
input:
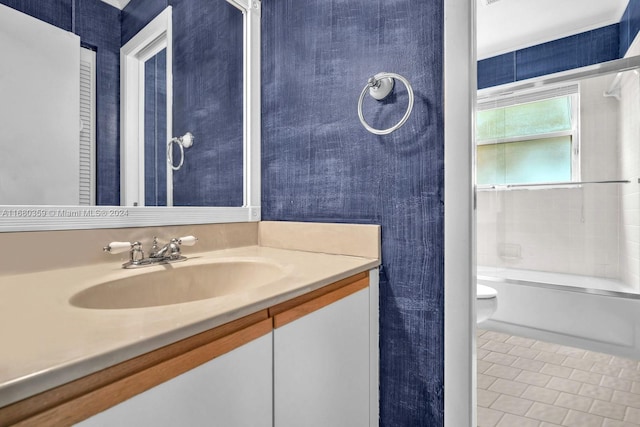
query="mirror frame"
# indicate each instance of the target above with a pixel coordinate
(15, 218)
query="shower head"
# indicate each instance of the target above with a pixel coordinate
(488, 2)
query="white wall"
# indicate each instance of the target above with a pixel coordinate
(571, 230)
(39, 112)
(629, 160)
(459, 243)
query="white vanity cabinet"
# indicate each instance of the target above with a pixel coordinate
(232, 390)
(325, 360)
(309, 361)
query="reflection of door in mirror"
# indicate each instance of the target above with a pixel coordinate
(39, 120)
(146, 114)
(156, 185)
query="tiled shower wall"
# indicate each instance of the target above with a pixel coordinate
(550, 227)
(629, 161)
(320, 164)
(566, 230)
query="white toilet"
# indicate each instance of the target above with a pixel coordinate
(486, 302)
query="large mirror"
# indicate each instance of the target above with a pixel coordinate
(76, 142)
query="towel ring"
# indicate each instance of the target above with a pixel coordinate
(379, 87)
(185, 141)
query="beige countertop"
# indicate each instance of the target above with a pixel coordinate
(47, 342)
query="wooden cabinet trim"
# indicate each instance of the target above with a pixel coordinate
(110, 395)
(294, 313)
(288, 305)
(50, 400)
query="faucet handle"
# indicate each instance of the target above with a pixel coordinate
(187, 240)
(118, 247)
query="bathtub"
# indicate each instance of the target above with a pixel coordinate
(588, 312)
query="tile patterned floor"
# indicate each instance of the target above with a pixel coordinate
(523, 382)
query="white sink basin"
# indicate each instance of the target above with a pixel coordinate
(175, 285)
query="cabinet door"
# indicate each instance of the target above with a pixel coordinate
(232, 390)
(322, 366)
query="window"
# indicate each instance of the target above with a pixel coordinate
(529, 138)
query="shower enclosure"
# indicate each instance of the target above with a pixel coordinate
(558, 203)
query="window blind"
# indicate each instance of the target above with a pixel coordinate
(87, 127)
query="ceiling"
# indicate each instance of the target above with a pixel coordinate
(507, 25)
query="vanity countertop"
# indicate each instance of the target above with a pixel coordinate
(47, 342)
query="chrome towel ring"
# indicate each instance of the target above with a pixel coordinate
(379, 87)
(185, 141)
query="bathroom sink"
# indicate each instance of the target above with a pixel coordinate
(175, 285)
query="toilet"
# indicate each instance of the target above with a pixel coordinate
(486, 302)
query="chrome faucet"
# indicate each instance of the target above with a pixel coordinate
(168, 253)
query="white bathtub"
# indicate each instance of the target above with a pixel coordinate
(566, 309)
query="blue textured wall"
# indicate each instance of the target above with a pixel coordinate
(54, 12)
(590, 47)
(320, 164)
(155, 131)
(629, 26)
(208, 102)
(497, 70)
(137, 14)
(98, 26)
